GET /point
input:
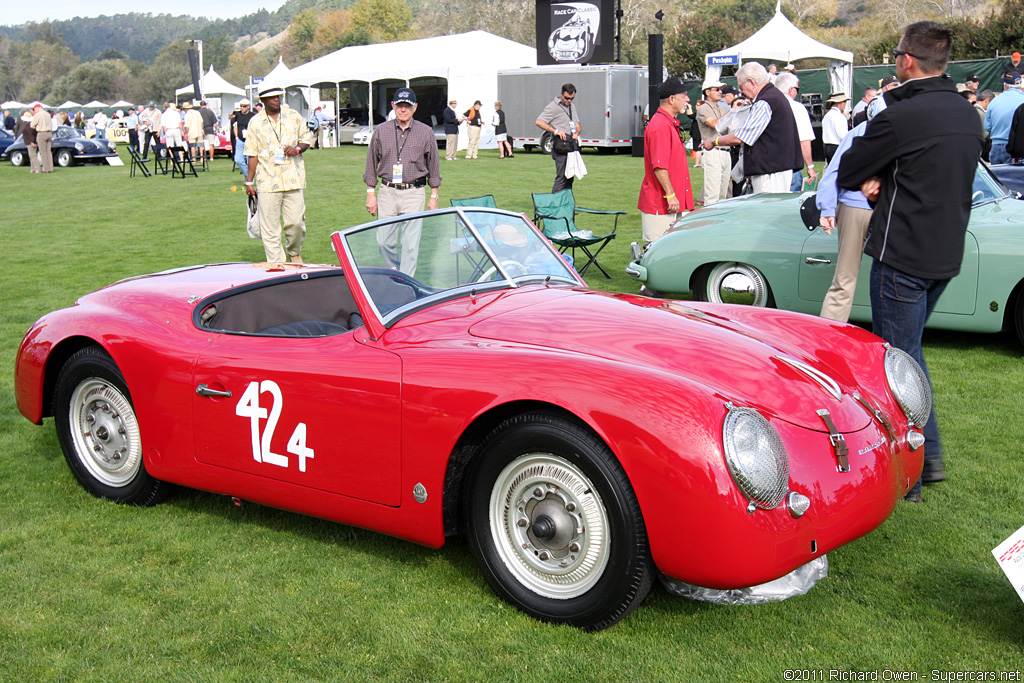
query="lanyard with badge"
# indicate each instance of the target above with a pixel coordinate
(396, 169)
(279, 158)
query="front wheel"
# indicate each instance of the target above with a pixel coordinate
(554, 524)
(734, 283)
(99, 432)
(64, 158)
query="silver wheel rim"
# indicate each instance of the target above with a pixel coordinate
(735, 283)
(549, 526)
(105, 432)
(63, 158)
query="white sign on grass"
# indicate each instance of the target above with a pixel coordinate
(1010, 556)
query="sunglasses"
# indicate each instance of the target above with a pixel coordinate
(897, 53)
(569, 97)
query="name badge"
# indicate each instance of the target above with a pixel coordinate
(396, 173)
(279, 156)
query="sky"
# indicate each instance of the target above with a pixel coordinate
(16, 13)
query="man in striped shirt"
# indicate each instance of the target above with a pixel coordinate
(403, 155)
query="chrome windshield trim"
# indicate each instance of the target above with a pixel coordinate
(482, 243)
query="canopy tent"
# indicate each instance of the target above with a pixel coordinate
(220, 95)
(781, 41)
(95, 104)
(122, 103)
(70, 104)
(464, 65)
(13, 104)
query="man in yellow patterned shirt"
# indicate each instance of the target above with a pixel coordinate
(274, 143)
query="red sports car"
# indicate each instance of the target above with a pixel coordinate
(455, 375)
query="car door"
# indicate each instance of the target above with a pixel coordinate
(320, 412)
(818, 265)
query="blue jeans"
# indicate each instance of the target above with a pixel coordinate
(900, 305)
(240, 159)
(797, 183)
(998, 155)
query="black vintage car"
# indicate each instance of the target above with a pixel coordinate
(69, 147)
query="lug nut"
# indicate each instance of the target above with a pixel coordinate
(538, 492)
(570, 507)
(544, 555)
(523, 522)
(574, 547)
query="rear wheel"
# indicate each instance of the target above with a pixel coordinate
(547, 142)
(555, 525)
(734, 283)
(18, 158)
(99, 432)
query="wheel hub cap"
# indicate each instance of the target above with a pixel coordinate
(549, 525)
(105, 432)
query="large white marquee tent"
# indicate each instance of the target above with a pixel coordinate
(467, 62)
(779, 40)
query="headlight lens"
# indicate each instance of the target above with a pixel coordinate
(756, 457)
(909, 385)
(79, 146)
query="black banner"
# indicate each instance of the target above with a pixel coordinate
(193, 64)
(581, 32)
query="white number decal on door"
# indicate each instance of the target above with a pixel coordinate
(249, 406)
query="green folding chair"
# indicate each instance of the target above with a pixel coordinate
(463, 244)
(556, 214)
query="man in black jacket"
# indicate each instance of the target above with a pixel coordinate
(916, 163)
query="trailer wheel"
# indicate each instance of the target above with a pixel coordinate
(547, 142)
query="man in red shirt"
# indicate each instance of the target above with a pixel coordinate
(665, 192)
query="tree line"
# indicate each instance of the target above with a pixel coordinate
(140, 57)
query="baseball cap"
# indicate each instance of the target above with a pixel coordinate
(672, 86)
(1012, 78)
(244, 102)
(972, 77)
(404, 95)
(1016, 56)
(888, 80)
(730, 90)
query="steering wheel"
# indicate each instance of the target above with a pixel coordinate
(513, 268)
(978, 194)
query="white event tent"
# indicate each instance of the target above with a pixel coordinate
(220, 95)
(464, 65)
(781, 41)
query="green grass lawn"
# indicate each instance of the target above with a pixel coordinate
(198, 589)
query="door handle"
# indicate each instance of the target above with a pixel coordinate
(812, 260)
(204, 390)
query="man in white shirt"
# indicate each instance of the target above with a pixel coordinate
(835, 125)
(789, 84)
(869, 94)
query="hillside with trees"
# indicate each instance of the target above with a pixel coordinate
(139, 57)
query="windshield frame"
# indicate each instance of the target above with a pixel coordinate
(355, 273)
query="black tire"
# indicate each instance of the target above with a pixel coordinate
(18, 158)
(64, 158)
(547, 142)
(99, 433)
(1018, 316)
(554, 524)
(734, 283)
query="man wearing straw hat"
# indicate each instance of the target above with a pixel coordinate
(835, 125)
(275, 140)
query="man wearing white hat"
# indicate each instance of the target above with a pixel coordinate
(717, 161)
(274, 143)
(835, 125)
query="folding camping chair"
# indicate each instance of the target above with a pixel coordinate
(462, 243)
(556, 214)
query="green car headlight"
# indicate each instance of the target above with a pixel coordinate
(909, 385)
(756, 457)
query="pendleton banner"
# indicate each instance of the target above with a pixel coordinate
(575, 32)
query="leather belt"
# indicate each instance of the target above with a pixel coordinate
(405, 186)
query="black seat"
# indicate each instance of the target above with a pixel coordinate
(304, 328)
(138, 163)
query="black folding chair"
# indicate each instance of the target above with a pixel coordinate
(181, 162)
(138, 163)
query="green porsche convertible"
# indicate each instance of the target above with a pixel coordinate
(756, 250)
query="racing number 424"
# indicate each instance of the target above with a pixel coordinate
(249, 406)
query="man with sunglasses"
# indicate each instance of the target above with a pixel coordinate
(561, 119)
(916, 163)
(717, 162)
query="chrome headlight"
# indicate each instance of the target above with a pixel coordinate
(909, 385)
(79, 146)
(756, 457)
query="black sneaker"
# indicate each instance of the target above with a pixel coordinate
(933, 471)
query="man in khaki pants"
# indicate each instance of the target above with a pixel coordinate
(275, 140)
(43, 126)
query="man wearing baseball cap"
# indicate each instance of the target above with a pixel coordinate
(665, 192)
(275, 141)
(1013, 66)
(999, 117)
(403, 156)
(43, 125)
(239, 127)
(717, 162)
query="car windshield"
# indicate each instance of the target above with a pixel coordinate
(64, 133)
(432, 255)
(986, 187)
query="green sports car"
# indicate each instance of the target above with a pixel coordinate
(757, 250)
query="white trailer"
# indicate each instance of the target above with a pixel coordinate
(610, 99)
